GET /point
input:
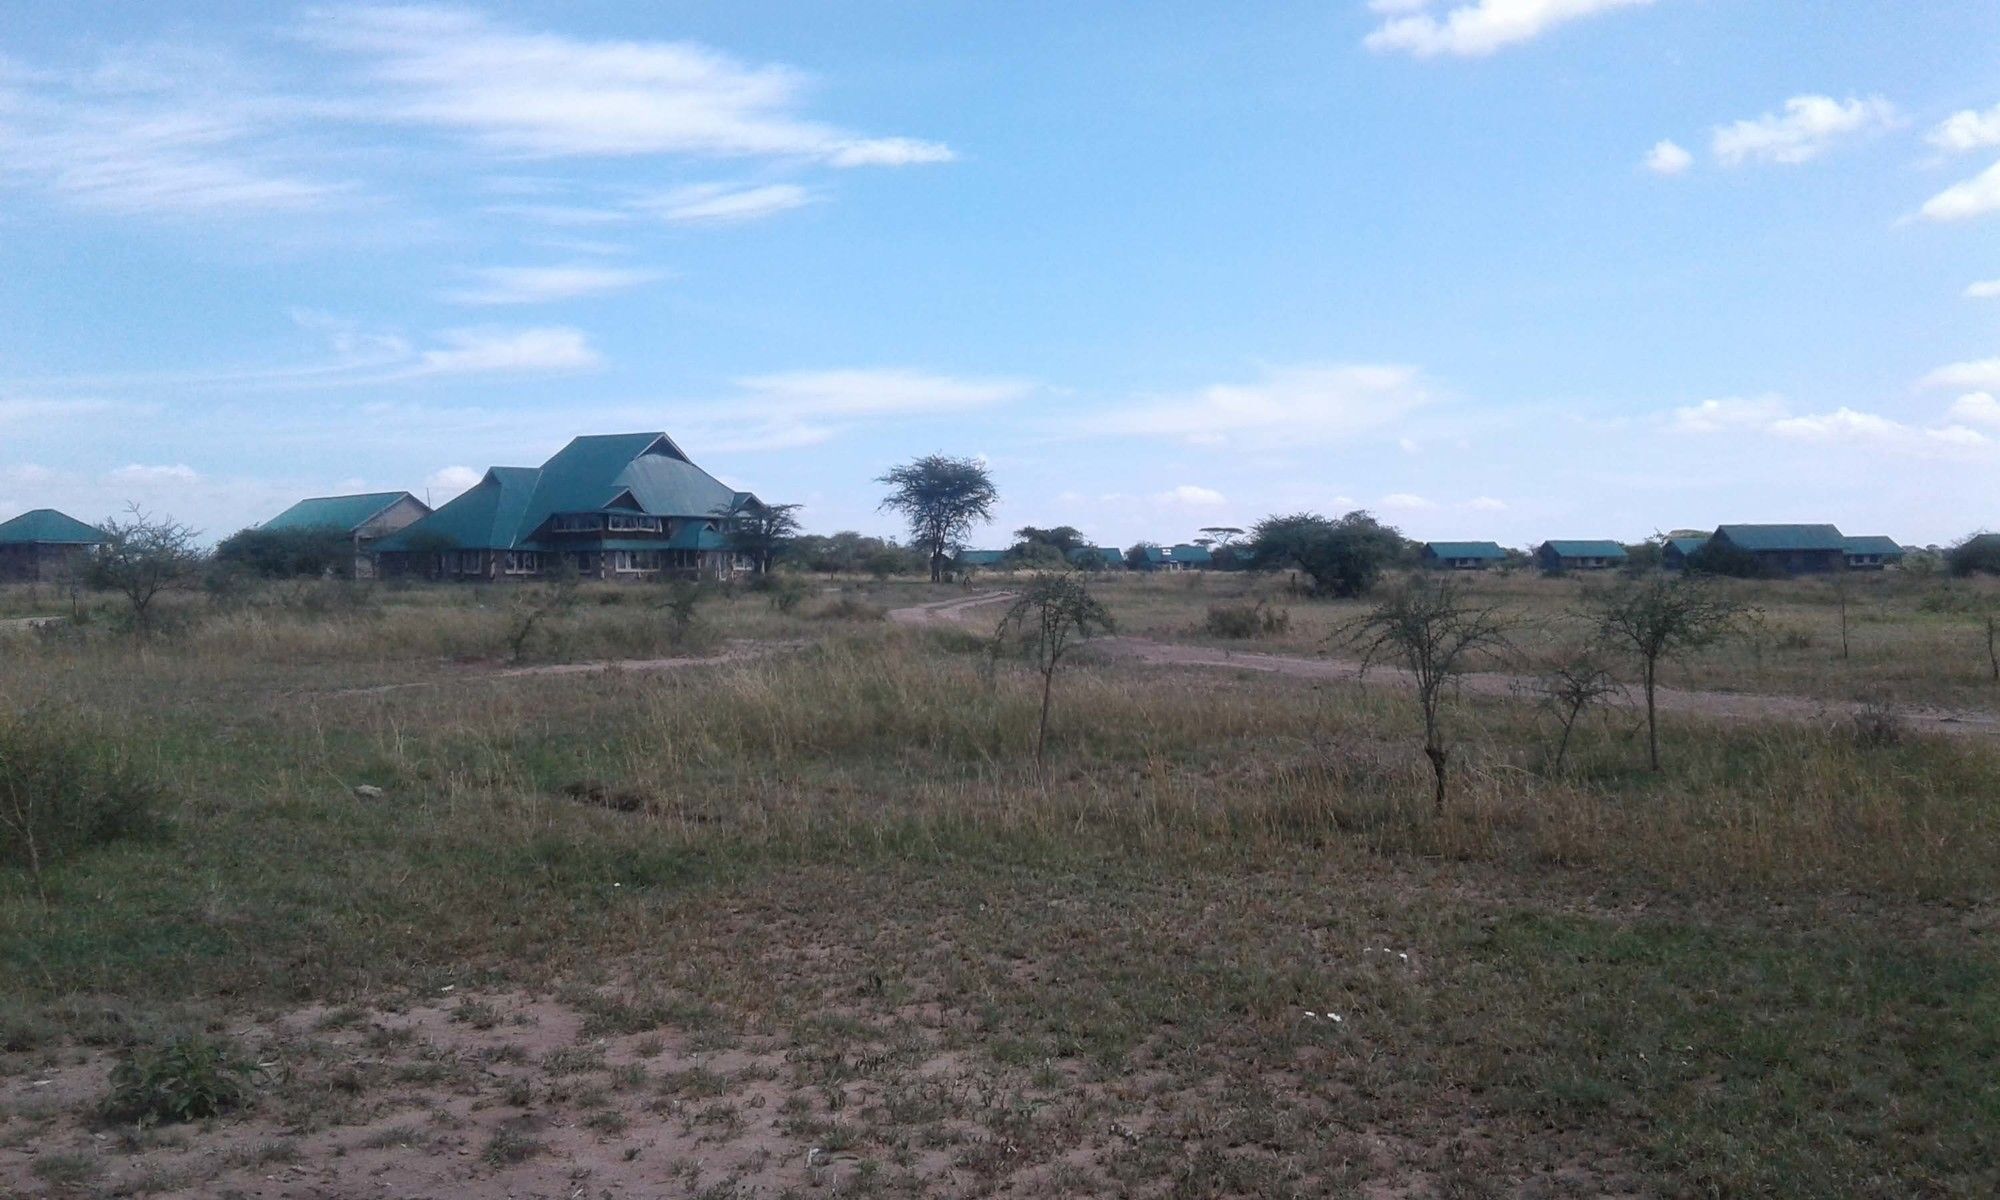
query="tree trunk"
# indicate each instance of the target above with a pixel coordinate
(1652, 722)
(1042, 733)
(1436, 754)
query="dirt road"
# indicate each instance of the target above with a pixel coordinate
(1728, 706)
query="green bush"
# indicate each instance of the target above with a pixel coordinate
(64, 789)
(188, 1077)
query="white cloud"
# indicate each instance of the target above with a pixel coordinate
(1985, 289)
(1477, 28)
(871, 391)
(39, 411)
(1486, 504)
(1668, 158)
(447, 482)
(1406, 502)
(544, 94)
(1983, 373)
(1728, 413)
(487, 351)
(1977, 408)
(1967, 130)
(541, 285)
(143, 474)
(1808, 127)
(723, 203)
(1286, 406)
(1975, 197)
(1848, 425)
(1191, 495)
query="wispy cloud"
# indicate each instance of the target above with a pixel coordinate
(1975, 197)
(1977, 408)
(542, 285)
(512, 352)
(1982, 373)
(1285, 406)
(871, 391)
(1966, 131)
(1770, 415)
(1727, 413)
(1808, 127)
(1985, 289)
(547, 95)
(725, 203)
(1473, 30)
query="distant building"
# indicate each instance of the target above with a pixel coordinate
(613, 506)
(1192, 557)
(1787, 549)
(1462, 556)
(1560, 555)
(1183, 557)
(366, 519)
(1872, 552)
(1675, 550)
(982, 560)
(45, 546)
(1108, 558)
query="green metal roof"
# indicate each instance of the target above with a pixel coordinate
(1465, 549)
(46, 526)
(1687, 545)
(345, 513)
(1783, 537)
(619, 472)
(1585, 548)
(1195, 556)
(1110, 556)
(1874, 544)
(980, 558)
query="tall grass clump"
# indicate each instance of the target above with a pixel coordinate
(64, 788)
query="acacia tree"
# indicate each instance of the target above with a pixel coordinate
(1344, 558)
(1052, 612)
(1572, 687)
(942, 498)
(142, 556)
(760, 532)
(1436, 633)
(1658, 619)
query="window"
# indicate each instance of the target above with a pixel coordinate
(578, 523)
(635, 560)
(523, 562)
(471, 562)
(633, 523)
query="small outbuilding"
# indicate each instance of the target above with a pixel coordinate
(45, 546)
(1872, 552)
(1463, 556)
(1674, 551)
(980, 560)
(366, 519)
(1572, 555)
(1787, 549)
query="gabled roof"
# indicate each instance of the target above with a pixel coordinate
(1783, 537)
(47, 527)
(1585, 548)
(1110, 556)
(1466, 549)
(1192, 555)
(1686, 545)
(628, 472)
(345, 513)
(980, 558)
(1874, 544)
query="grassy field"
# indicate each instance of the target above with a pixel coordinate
(814, 922)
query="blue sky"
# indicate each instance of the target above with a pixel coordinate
(1490, 268)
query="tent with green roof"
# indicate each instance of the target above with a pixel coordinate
(1463, 556)
(43, 545)
(1567, 554)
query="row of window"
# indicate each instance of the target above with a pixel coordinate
(616, 522)
(529, 562)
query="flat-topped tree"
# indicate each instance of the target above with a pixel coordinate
(942, 498)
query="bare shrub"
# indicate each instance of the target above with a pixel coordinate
(1050, 614)
(1245, 621)
(1877, 723)
(1570, 689)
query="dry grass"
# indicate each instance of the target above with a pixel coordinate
(824, 901)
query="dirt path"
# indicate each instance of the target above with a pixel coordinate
(1729, 706)
(946, 612)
